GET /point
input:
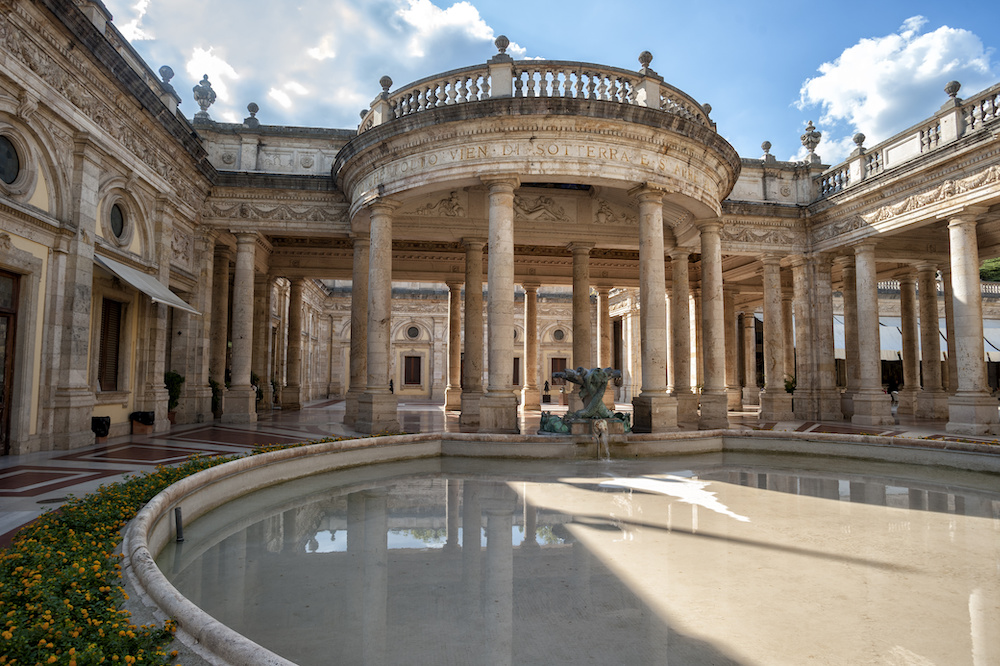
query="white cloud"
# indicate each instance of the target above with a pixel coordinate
(281, 97)
(883, 84)
(430, 21)
(324, 50)
(204, 62)
(132, 29)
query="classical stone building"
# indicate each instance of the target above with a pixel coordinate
(477, 231)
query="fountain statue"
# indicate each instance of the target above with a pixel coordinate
(591, 386)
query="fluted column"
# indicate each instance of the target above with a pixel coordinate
(582, 330)
(531, 396)
(377, 405)
(604, 355)
(241, 399)
(871, 404)
(220, 317)
(654, 409)
(680, 329)
(732, 349)
(291, 396)
(972, 410)
(472, 374)
(933, 400)
(824, 365)
(851, 355)
(453, 392)
(751, 392)
(775, 402)
(714, 401)
(498, 407)
(359, 330)
(909, 330)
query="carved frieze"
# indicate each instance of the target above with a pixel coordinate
(742, 233)
(181, 248)
(538, 208)
(945, 190)
(852, 223)
(610, 214)
(449, 206)
(268, 211)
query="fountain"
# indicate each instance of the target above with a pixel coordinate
(594, 418)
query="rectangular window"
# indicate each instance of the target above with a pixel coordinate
(411, 370)
(517, 371)
(558, 365)
(111, 328)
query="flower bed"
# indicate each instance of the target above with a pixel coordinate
(60, 579)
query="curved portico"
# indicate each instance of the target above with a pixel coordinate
(560, 169)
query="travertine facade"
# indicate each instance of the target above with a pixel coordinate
(597, 212)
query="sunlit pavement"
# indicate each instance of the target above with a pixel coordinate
(34, 483)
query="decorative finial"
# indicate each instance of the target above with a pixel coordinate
(859, 139)
(767, 156)
(952, 88)
(252, 121)
(501, 43)
(166, 73)
(707, 108)
(645, 58)
(364, 112)
(204, 96)
(386, 83)
(810, 140)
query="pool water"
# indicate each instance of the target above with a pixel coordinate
(713, 559)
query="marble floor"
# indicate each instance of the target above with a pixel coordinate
(34, 483)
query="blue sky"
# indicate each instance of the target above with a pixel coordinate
(766, 68)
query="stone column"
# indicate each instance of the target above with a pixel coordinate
(775, 402)
(196, 395)
(262, 295)
(787, 318)
(972, 410)
(825, 367)
(359, 330)
(582, 331)
(852, 357)
(453, 393)
(241, 399)
(932, 401)
(714, 400)
(498, 407)
(291, 396)
(751, 392)
(375, 592)
(531, 396)
(654, 409)
(951, 385)
(872, 406)
(498, 504)
(680, 329)
(804, 399)
(732, 348)
(220, 316)
(472, 377)
(908, 328)
(604, 356)
(377, 405)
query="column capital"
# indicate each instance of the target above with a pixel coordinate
(925, 266)
(454, 285)
(223, 252)
(360, 240)
(867, 245)
(907, 276)
(709, 224)
(501, 182)
(647, 192)
(474, 243)
(679, 254)
(603, 289)
(965, 215)
(530, 286)
(844, 260)
(383, 205)
(577, 247)
(797, 261)
(771, 259)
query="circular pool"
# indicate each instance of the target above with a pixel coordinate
(715, 558)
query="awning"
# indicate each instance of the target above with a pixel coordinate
(145, 283)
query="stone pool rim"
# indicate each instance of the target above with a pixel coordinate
(152, 528)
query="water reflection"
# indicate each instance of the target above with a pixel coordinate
(444, 562)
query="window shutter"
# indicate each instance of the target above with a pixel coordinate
(111, 326)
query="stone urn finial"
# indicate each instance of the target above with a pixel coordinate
(501, 43)
(645, 58)
(952, 88)
(252, 121)
(204, 96)
(364, 112)
(810, 140)
(166, 73)
(859, 140)
(386, 83)
(767, 156)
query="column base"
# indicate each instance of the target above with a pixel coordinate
(828, 403)
(351, 408)
(291, 397)
(654, 412)
(377, 413)
(973, 414)
(469, 418)
(847, 404)
(776, 405)
(751, 395)
(687, 407)
(805, 405)
(531, 399)
(498, 413)
(908, 401)
(240, 405)
(934, 405)
(734, 398)
(873, 408)
(714, 411)
(452, 399)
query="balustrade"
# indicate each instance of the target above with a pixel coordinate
(834, 180)
(981, 111)
(930, 137)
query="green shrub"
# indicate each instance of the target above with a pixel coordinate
(173, 382)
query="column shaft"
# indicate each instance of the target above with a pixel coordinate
(359, 330)
(241, 399)
(911, 360)
(852, 359)
(582, 331)
(291, 397)
(775, 402)
(714, 401)
(680, 328)
(751, 391)
(932, 401)
(453, 392)
(472, 376)
(823, 363)
(871, 405)
(732, 351)
(531, 397)
(604, 357)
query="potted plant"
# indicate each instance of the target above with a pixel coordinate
(173, 382)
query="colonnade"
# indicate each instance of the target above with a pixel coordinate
(666, 397)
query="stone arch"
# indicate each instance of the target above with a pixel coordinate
(42, 183)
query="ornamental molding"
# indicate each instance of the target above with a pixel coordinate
(608, 213)
(449, 206)
(844, 226)
(943, 192)
(271, 211)
(76, 87)
(759, 234)
(543, 208)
